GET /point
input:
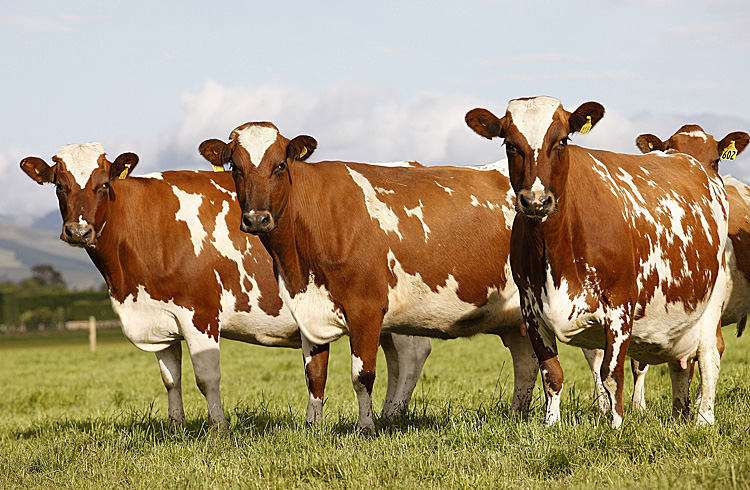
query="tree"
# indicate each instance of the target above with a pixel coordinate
(43, 276)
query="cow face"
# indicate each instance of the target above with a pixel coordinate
(536, 132)
(82, 176)
(692, 140)
(260, 158)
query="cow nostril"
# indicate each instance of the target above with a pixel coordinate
(524, 200)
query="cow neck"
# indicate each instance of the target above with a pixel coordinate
(291, 243)
(112, 246)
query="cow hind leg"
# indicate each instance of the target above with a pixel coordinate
(316, 374)
(204, 352)
(595, 357)
(411, 353)
(525, 371)
(170, 365)
(639, 385)
(680, 374)
(364, 336)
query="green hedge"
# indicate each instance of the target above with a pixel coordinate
(54, 307)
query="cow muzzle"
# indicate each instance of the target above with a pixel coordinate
(81, 234)
(257, 222)
(536, 204)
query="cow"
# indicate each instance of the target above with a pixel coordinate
(361, 249)
(178, 268)
(613, 251)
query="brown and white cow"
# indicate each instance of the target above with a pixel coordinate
(692, 140)
(624, 252)
(178, 268)
(359, 249)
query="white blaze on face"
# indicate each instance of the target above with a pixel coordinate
(375, 207)
(256, 140)
(696, 134)
(533, 117)
(81, 160)
(188, 212)
(537, 186)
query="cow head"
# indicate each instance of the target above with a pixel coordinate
(536, 132)
(82, 176)
(260, 158)
(692, 140)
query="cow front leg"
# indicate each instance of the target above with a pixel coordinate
(680, 373)
(410, 354)
(204, 352)
(364, 336)
(639, 384)
(170, 365)
(525, 370)
(545, 348)
(316, 374)
(594, 357)
(617, 339)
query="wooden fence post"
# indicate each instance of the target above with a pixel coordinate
(92, 334)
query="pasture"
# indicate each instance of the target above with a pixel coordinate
(70, 418)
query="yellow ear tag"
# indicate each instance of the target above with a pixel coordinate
(124, 173)
(37, 171)
(304, 152)
(730, 152)
(650, 146)
(217, 168)
(586, 127)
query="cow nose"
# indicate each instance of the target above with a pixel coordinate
(78, 233)
(536, 204)
(257, 222)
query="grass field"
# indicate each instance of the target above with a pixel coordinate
(70, 418)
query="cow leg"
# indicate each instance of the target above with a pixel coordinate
(639, 384)
(170, 365)
(709, 357)
(680, 374)
(204, 352)
(617, 335)
(525, 370)
(594, 357)
(720, 348)
(316, 374)
(410, 354)
(364, 336)
(545, 348)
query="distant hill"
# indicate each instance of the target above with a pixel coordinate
(22, 247)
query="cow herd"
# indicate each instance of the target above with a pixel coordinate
(638, 255)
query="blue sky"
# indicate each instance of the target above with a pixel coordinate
(375, 81)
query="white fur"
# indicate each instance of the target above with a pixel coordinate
(533, 117)
(696, 134)
(318, 319)
(81, 160)
(377, 209)
(188, 212)
(256, 140)
(417, 211)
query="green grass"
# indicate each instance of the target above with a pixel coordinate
(70, 418)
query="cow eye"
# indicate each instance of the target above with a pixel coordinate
(510, 148)
(58, 187)
(281, 167)
(563, 142)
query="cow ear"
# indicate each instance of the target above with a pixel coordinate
(485, 123)
(732, 145)
(585, 117)
(123, 166)
(301, 147)
(38, 170)
(648, 142)
(216, 152)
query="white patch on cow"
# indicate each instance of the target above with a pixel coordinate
(318, 319)
(81, 160)
(499, 166)
(533, 117)
(380, 190)
(393, 164)
(82, 221)
(232, 195)
(188, 212)
(446, 189)
(377, 209)
(537, 186)
(418, 212)
(256, 140)
(696, 134)
(414, 308)
(152, 325)
(357, 366)
(153, 175)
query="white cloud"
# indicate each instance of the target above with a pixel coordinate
(351, 120)
(53, 23)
